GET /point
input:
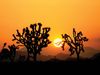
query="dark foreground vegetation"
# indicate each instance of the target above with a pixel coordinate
(35, 38)
(71, 61)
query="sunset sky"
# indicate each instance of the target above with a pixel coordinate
(60, 15)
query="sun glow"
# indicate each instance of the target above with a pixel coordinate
(57, 42)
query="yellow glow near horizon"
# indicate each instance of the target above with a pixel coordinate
(57, 42)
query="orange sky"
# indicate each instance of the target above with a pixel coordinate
(60, 15)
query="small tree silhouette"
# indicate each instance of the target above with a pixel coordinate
(76, 44)
(13, 49)
(8, 54)
(34, 39)
(4, 54)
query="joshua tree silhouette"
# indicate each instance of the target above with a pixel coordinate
(76, 44)
(34, 39)
(8, 54)
(12, 49)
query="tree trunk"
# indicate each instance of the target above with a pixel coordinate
(35, 57)
(28, 56)
(77, 53)
(78, 57)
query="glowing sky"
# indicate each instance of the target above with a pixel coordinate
(60, 15)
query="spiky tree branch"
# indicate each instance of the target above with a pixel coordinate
(34, 39)
(75, 44)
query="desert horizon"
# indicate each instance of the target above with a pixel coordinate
(47, 27)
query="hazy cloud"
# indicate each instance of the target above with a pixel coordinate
(0, 43)
(97, 39)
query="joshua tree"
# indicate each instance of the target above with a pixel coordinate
(75, 44)
(8, 54)
(34, 39)
(13, 49)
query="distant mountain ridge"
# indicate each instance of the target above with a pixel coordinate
(89, 52)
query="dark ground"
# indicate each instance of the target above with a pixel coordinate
(54, 65)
